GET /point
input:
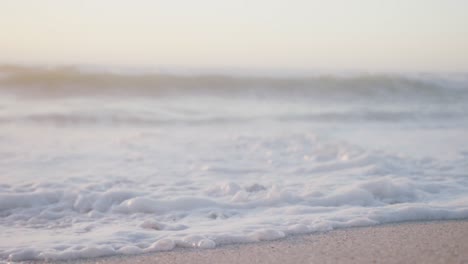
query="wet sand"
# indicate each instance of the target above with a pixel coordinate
(422, 242)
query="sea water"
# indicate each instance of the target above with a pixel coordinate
(98, 163)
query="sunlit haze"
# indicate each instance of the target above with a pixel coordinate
(413, 35)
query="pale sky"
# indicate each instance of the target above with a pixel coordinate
(414, 35)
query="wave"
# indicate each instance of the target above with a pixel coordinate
(70, 119)
(73, 81)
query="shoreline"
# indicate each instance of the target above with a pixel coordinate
(406, 242)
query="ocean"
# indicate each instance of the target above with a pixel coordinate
(100, 162)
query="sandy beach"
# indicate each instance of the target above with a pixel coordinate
(421, 242)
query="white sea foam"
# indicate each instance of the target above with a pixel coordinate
(80, 178)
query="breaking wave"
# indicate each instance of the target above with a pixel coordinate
(73, 81)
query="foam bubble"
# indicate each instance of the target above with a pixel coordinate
(267, 234)
(206, 243)
(130, 250)
(161, 245)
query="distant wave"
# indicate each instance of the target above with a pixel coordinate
(71, 119)
(73, 81)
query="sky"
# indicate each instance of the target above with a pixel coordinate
(379, 35)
